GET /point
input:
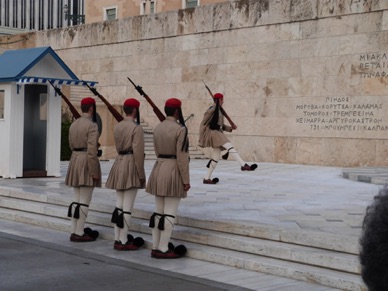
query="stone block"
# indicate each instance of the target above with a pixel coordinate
(249, 13)
(279, 11)
(203, 17)
(384, 22)
(303, 9)
(326, 8)
(186, 21)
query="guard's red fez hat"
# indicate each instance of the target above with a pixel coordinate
(88, 100)
(218, 96)
(132, 102)
(173, 102)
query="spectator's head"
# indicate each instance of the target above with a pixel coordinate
(374, 243)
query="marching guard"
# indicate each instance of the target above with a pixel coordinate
(211, 134)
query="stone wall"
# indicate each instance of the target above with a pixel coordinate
(305, 81)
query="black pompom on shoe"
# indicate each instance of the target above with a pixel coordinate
(93, 233)
(180, 250)
(138, 242)
(130, 237)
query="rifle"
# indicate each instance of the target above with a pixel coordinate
(112, 110)
(158, 113)
(74, 111)
(222, 109)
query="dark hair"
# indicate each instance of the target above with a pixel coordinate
(85, 107)
(374, 243)
(170, 111)
(128, 110)
(216, 114)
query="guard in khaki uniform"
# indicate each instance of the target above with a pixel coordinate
(127, 174)
(211, 135)
(169, 180)
(84, 172)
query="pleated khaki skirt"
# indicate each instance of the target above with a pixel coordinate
(78, 172)
(165, 179)
(123, 174)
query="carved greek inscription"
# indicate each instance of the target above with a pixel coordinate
(340, 114)
(373, 65)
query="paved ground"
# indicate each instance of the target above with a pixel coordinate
(28, 264)
(300, 197)
(36, 258)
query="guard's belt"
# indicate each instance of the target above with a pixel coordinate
(167, 156)
(80, 149)
(128, 152)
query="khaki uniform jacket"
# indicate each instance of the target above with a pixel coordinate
(128, 169)
(83, 133)
(212, 138)
(169, 175)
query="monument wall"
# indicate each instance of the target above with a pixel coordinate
(305, 81)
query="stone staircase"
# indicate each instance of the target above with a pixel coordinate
(307, 256)
(195, 153)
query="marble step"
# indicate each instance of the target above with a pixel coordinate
(233, 258)
(322, 276)
(318, 240)
(148, 138)
(257, 246)
(144, 211)
(277, 250)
